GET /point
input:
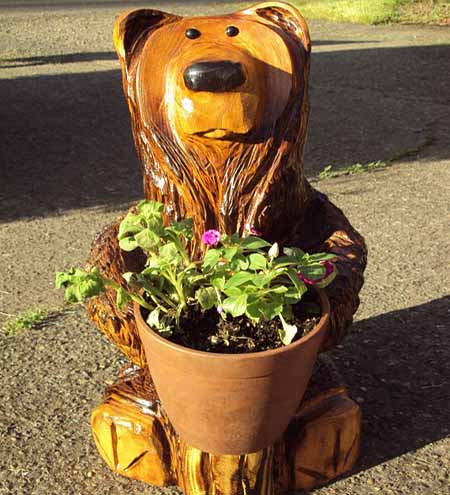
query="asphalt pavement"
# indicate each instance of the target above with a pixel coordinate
(68, 167)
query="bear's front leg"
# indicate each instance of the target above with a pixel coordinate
(118, 326)
(326, 229)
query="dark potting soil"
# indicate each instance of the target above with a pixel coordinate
(207, 331)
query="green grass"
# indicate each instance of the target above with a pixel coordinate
(26, 320)
(356, 168)
(374, 11)
(361, 11)
(425, 12)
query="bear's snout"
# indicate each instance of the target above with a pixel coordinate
(214, 76)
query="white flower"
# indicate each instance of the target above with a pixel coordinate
(274, 251)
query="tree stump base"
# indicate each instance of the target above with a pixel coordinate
(136, 439)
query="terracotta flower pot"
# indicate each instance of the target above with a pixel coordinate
(231, 403)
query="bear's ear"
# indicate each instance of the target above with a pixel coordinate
(286, 17)
(132, 28)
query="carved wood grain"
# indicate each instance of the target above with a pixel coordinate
(236, 159)
(235, 179)
(136, 439)
(252, 178)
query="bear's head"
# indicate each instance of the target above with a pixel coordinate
(219, 111)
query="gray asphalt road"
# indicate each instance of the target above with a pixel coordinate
(68, 168)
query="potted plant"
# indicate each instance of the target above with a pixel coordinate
(230, 338)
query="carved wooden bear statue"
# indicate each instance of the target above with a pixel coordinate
(219, 110)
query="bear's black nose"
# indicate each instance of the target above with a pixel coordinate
(216, 77)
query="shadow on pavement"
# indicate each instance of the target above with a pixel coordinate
(398, 363)
(56, 59)
(70, 58)
(66, 144)
(67, 140)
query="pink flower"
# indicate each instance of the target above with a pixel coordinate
(329, 270)
(211, 237)
(308, 281)
(249, 228)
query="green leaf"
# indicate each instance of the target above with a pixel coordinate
(262, 280)
(182, 228)
(150, 217)
(207, 297)
(252, 243)
(156, 226)
(211, 258)
(294, 252)
(293, 295)
(169, 252)
(150, 209)
(193, 277)
(259, 280)
(160, 323)
(131, 224)
(257, 262)
(314, 272)
(147, 239)
(218, 282)
(235, 305)
(271, 310)
(253, 311)
(298, 284)
(153, 319)
(288, 313)
(238, 279)
(279, 289)
(285, 261)
(129, 277)
(128, 243)
(230, 253)
(80, 284)
(72, 295)
(233, 291)
(239, 263)
(287, 332)
(327, 281)
(90, 287)
(122, 298)
(316, 257)
(62, 278)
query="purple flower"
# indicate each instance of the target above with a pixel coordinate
(249, 228)
(211, 237)
(329, 270)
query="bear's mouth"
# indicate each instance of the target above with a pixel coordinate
(219, 133)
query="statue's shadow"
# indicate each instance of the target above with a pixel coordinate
(67, 140)
(397, 365)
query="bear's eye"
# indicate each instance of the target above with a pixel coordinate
(232, 31)
(192, 33)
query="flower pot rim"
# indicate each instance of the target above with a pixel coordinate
(324, 303)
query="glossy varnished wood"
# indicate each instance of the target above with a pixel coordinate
(136, 439)
(248, 169)
(225, 159)
(229, 159)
